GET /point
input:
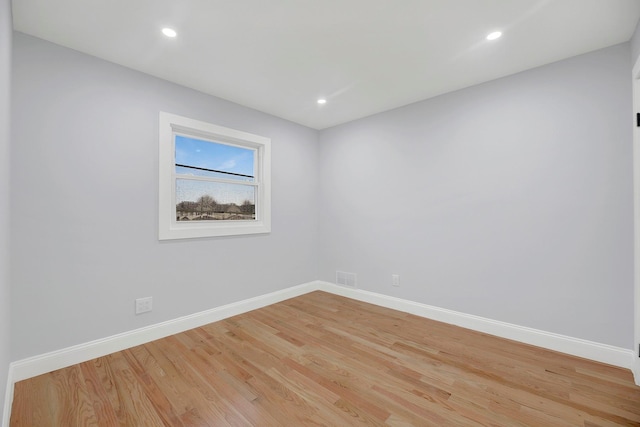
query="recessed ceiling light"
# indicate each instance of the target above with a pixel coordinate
(169, 32)
(495, 35)
(322, 101)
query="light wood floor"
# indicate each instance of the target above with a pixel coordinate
(320, 359)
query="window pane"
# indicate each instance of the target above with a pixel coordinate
(203, 158)
(206, 201)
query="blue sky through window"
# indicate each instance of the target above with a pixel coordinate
(215, 157)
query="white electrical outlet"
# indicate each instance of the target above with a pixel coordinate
(395, 280)
(144, 304)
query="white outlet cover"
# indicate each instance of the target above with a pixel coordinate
(144, 305)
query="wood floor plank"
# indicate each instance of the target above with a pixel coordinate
(325, 360)
(134, 407)
(105, 413)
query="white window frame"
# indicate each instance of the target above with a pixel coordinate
(169, 228)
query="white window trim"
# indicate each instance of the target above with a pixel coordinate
(169, 228)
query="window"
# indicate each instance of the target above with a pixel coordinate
(214, 181)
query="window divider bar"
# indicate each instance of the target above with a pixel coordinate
(213, 179)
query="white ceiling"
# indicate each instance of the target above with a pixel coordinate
(364, 56)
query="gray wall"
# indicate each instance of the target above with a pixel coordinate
(510, 200)
(635, 44)
(635, 56)
(84, 204)
(5, 89)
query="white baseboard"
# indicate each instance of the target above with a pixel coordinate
(33, 366)
(8, 399)
(48, 362)
(37, 365)
(574, 346)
